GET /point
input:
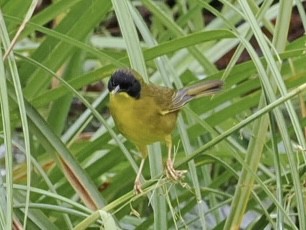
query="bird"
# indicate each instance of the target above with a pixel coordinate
(146, 113)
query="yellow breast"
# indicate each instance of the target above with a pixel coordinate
(141, 120)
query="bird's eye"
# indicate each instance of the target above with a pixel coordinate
(113, 82)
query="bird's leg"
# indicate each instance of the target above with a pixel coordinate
(170, 171)
(144, 153)
(137, 184)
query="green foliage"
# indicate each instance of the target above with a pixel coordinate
(244, 148)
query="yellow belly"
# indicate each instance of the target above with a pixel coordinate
(141, 120)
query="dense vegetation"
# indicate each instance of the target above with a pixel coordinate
(244, 148)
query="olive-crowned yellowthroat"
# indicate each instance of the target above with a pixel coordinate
(147, 113)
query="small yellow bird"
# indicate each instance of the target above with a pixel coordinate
(147, 113)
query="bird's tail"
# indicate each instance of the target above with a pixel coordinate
(189, 93)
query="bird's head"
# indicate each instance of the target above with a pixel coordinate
(124, 80)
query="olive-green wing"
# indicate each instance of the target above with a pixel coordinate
(163, 96)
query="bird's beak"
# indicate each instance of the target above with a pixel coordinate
(116, 90)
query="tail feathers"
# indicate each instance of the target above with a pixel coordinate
(189, 93)
(204, 89)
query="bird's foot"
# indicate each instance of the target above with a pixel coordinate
(137, 187)
(172, 173)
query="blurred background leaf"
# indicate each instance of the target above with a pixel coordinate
(67, 167)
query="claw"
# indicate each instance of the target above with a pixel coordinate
(137, 187)
(137, 183)
(172, 173)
